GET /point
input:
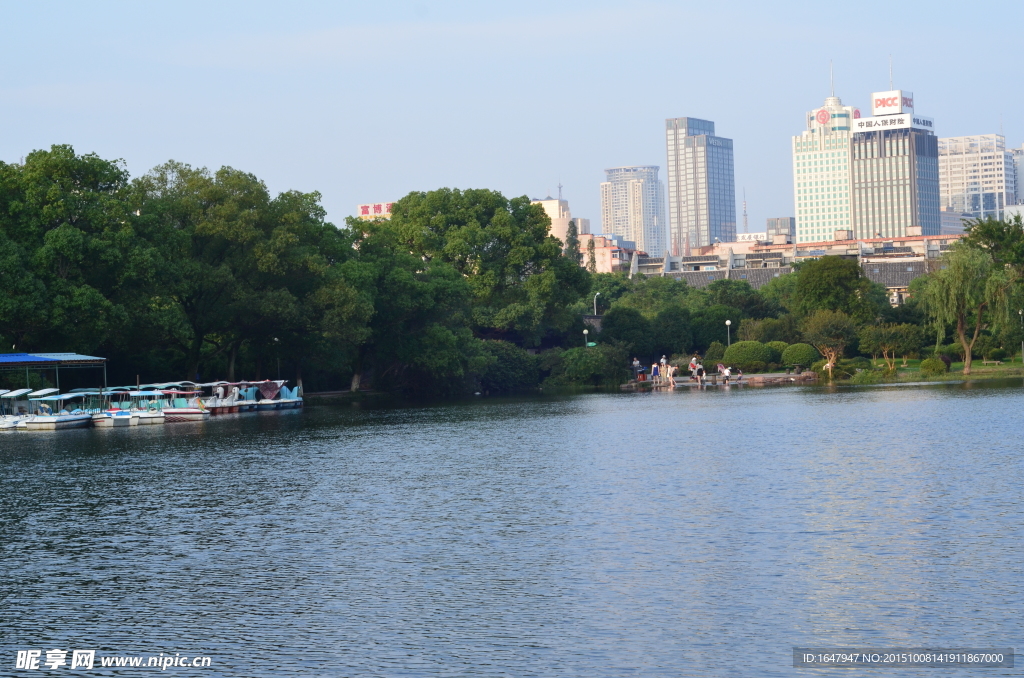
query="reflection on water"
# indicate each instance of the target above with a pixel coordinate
(690, 533)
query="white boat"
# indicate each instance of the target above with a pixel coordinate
(185, 406)
(46, 419)
(277, 396)
(14, 408)
(223, 397)
(147, 407)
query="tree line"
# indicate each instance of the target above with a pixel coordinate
(186, 273)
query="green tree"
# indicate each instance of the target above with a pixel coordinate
(522, 286)
(652, 295)
(739, 294)
(419, 334)
(838, 284)
(709, 325)
(781, 291)
(829, 332)
(629, 327)
(961, 292)
(890, 340)
(591, 257)
(1002, 240)
(572, 243)
(68, 253)
(670, 331)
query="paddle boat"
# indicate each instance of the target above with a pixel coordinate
(277, 396)
(149, 406)
(14, 408)
(184, 405)
(46, 419)
(223, 397)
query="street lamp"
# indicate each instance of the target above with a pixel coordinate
(728, 333)
(585, 333)
(595, 302)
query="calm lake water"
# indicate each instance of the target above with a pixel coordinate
(669, 534)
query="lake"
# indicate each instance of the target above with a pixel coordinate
(696, 533)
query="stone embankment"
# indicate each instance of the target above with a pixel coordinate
(778, 378)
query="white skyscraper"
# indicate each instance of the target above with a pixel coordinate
(701, 185)
(633, 206)
(821, 172)
(976, 175)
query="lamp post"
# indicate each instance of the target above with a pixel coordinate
(728, 333)
(595, 302)
(585, 333)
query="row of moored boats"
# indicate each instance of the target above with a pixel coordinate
(47, 409)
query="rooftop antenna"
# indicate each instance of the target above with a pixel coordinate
(890, 72)
(746, 226)
(831, 79)
(559, 189)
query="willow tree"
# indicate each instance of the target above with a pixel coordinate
(962, 291)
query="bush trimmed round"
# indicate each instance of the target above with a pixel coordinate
(933, 366)
(743, 354)
(996, 354)
(777, 348)
(804, 355)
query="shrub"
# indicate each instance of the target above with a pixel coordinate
(858, 363)
(868, 376)
(777, 348)
(804, 355)
(743, 354)
(601, 365)
(995, 354)
(715, 353)
(933, 366)
(754, 367)
(954, 350)
(510, 368)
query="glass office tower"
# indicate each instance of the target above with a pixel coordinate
(701, 185)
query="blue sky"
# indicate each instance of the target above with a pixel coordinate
(366, 102)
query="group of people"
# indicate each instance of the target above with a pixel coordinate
(699, 374)
(662, 372)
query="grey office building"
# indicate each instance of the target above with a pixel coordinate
(894, 170)
(701, 185)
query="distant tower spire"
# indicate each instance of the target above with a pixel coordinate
(559, 189)
(746, 226)
(831, 79)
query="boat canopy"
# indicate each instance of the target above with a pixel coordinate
(181, 392)
(144, 394)
(15, 394)
(60, 397)
(43, 391)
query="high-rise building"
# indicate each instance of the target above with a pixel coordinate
(976, 175)
(821, 171)
(1017, 154)
(894, 170)
(633, 206)
(558, 211)
(701, 185)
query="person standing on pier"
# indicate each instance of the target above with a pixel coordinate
(636, 368)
